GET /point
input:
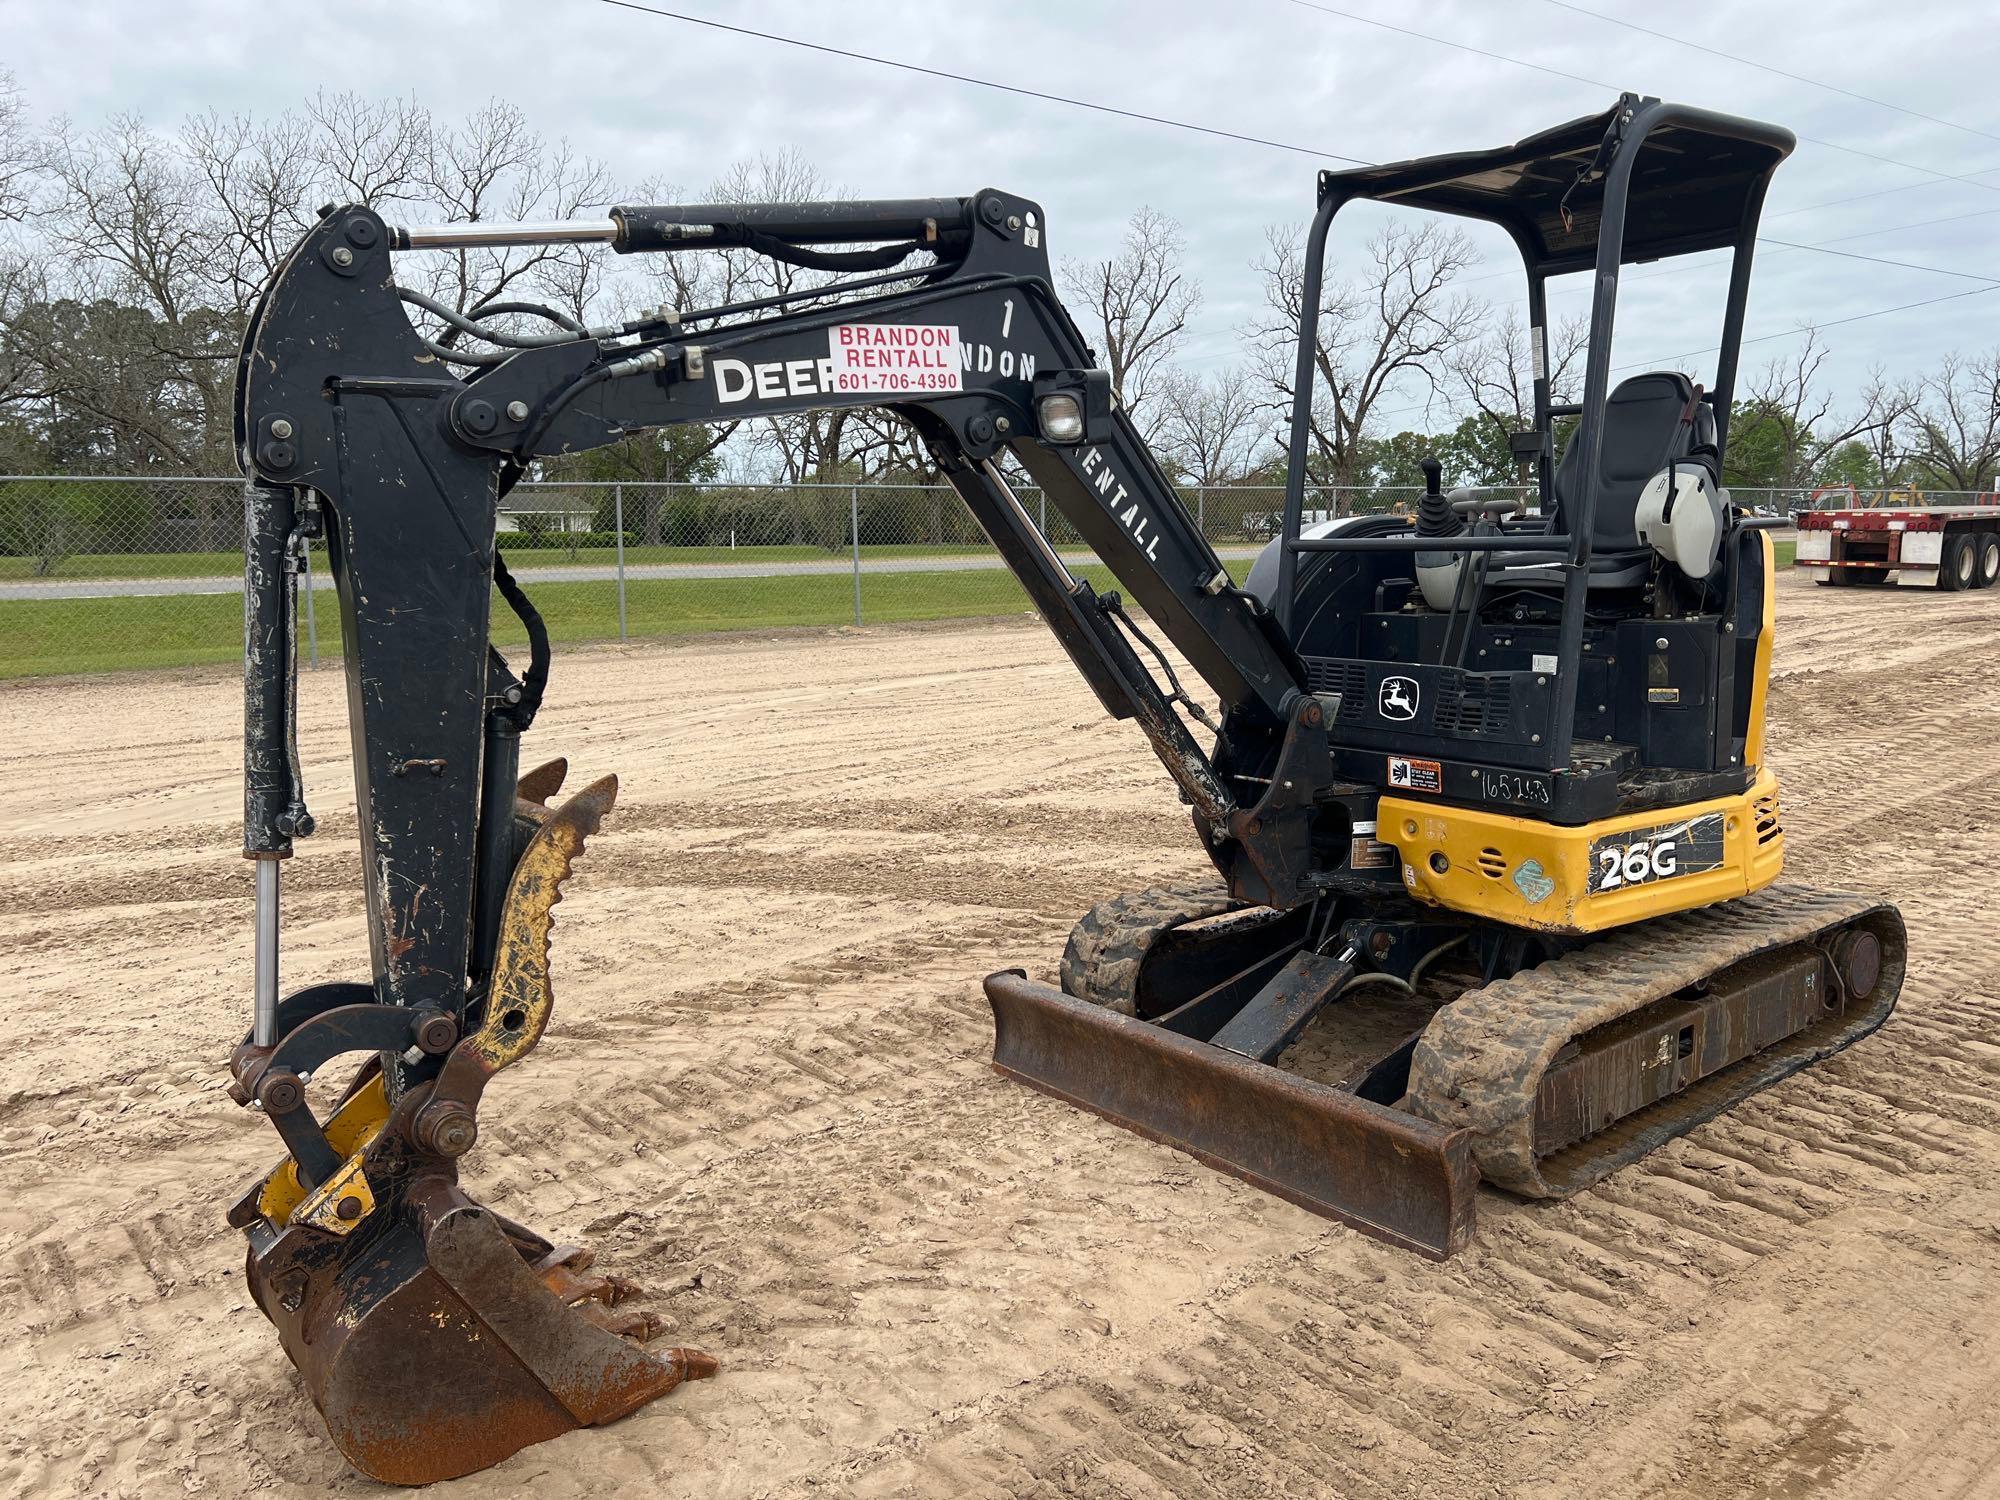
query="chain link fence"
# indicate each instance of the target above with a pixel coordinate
(112, 572)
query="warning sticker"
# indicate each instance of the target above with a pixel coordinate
(887, 358)
(1415, 775)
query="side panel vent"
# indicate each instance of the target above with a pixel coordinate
(1768, 826)
(1474, 707)
(1347, 678)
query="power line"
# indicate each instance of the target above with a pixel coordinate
(1665, 360)
(1790, 333)
(1901, 265)
(1831, 88)
(1252, 140)
(1819, 248)
(1425, 36)
(1231, 135)
(1908, 187)
(1841, 239)
(1520, 62)
(988, 83)
(1822, 249)
(1357, 161)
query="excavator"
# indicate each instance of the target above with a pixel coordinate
(1496, 852)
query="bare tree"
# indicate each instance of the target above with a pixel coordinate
(19, 157)
(368, 150)
(1211, 425)
(1496, 374)
(258, 186)
(141, 343)
(1953, 429)
(806, 445)
(494, 166)
(1399, 318)
(1141, 299)
(1786, 415)
(1894, 401)
(654, 461)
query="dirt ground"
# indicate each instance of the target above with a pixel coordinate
(766, 1096)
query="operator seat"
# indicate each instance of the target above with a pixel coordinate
(1642, 432)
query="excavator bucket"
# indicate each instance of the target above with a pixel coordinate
(1389, 1174)
(450, 1339)
(435, 1336)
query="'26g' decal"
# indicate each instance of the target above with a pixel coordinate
(1644, 855)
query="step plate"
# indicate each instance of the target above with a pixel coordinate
(1391, 1175)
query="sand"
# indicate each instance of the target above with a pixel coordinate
(766, 1096)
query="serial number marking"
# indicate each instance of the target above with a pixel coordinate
(1508, 786)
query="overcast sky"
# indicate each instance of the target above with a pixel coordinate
(658, 98)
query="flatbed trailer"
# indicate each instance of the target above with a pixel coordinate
(1948, 547)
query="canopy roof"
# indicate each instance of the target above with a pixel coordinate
(1696, 175)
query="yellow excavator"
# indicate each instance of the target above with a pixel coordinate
(1496, 852)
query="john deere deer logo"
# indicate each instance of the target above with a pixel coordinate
(1398, 699)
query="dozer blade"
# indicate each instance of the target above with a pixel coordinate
(436, 1337)
(1391, 1175)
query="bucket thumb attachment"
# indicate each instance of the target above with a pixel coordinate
(435, 1336)
(1389, 1174)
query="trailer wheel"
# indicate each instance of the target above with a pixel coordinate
(1987, 545)
(1959, 568)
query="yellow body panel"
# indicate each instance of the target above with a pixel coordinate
(1753, 732)
(1528, 873)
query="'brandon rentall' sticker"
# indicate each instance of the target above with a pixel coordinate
(891, 358)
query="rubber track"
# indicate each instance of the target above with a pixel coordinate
(1480, 1061)
(1106, 949)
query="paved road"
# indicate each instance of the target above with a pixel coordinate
(120, 588)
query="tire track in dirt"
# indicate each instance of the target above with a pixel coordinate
(766, 1097)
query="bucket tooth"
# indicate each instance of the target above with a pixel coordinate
(542, 783)
(627, 1322)
(571, 1288)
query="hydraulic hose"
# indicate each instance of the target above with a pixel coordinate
(535, 681)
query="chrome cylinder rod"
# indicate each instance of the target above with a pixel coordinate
(1050, 558)
(264, 1021)
(468, 236)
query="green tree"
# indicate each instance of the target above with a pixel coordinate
(655, 469)
(1762, 440)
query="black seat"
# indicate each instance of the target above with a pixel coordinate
(1643, 430)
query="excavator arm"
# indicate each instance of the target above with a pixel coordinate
(397, 449)
(341, 396)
